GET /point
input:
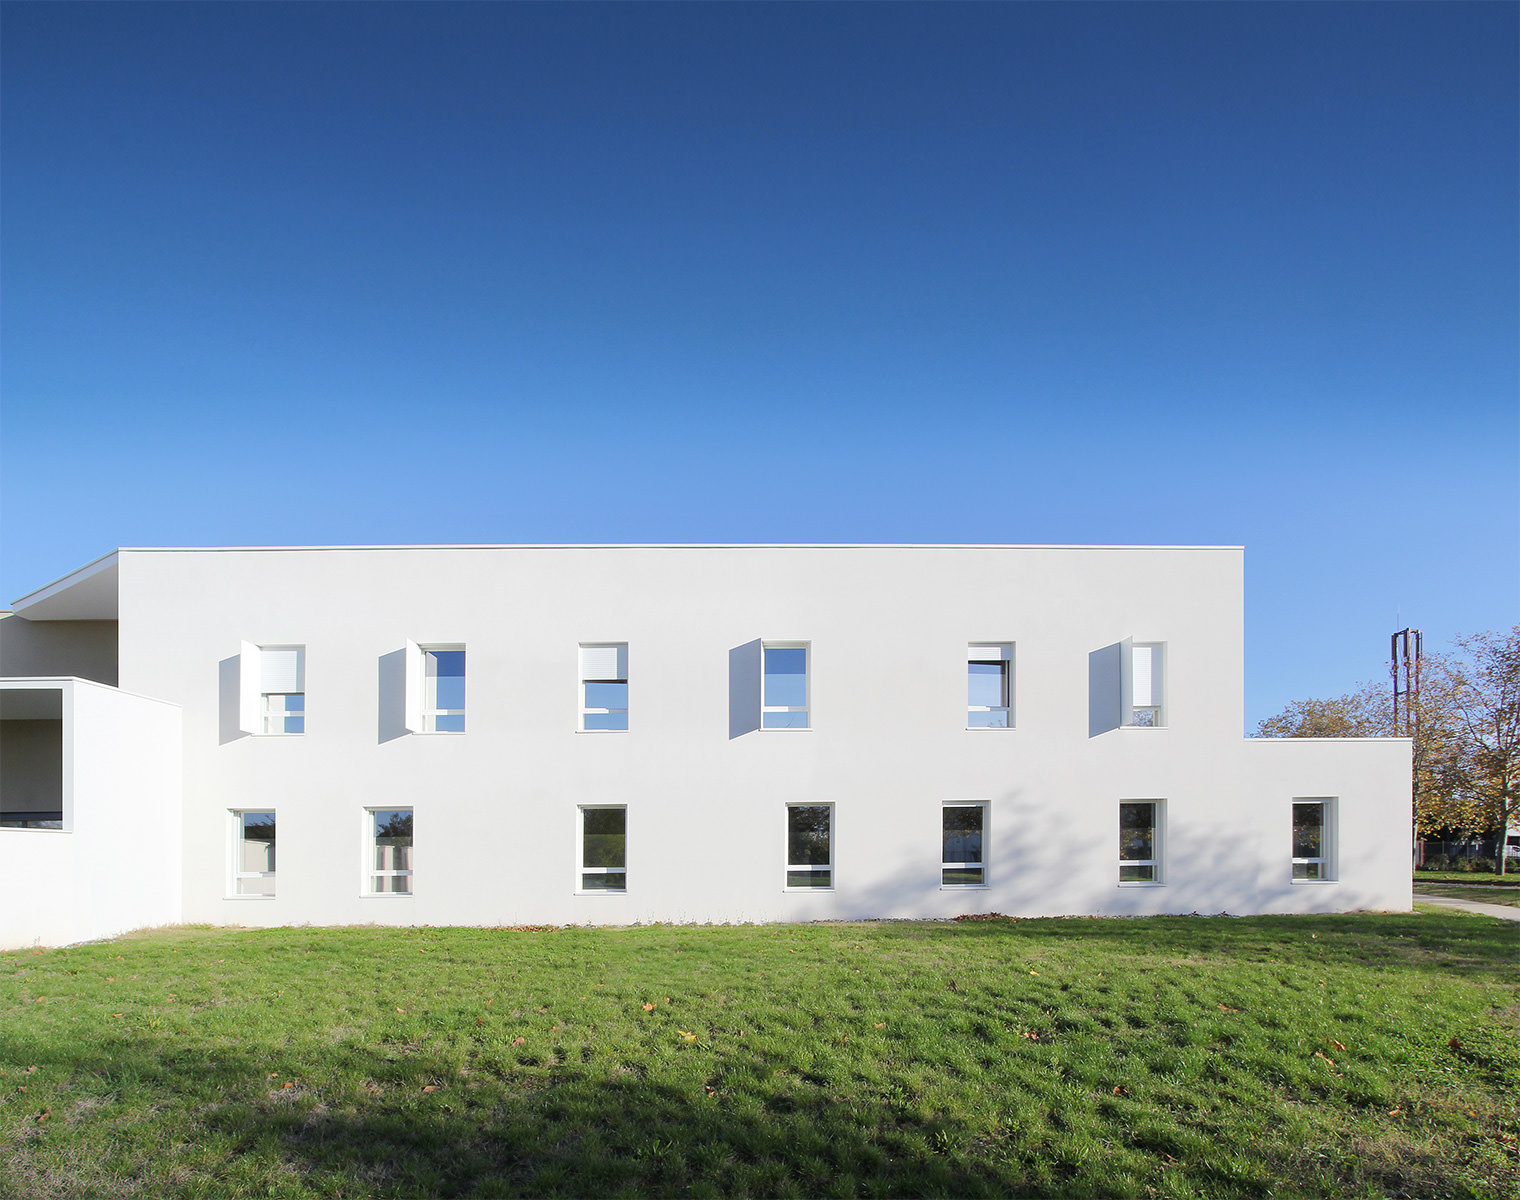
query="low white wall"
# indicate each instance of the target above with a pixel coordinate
(117, 867)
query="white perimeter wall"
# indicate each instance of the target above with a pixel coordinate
(117, 867)
(496, 808)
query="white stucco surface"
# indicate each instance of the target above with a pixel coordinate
(495, 808)
(116, 865)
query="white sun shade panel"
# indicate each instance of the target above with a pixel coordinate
(282, 669)
(988, 653)
(248, 687)
(602, 663)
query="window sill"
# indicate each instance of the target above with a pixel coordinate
(602, 892)
(1145, 728)
(1311, 882)
(387, 895)
(24, 829)
(965, 887)
(600, 731)
(438, 733)
(786, 729)
(1141, 883)
(990, 728)
(806, 891)
(247, 897)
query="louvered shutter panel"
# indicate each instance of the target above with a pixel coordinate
(1143, 677)
(993, 653)
(282, 670)
(603, 663)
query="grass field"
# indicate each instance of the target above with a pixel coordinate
(1368, 1055)
(1460, 891)
(1475, 878)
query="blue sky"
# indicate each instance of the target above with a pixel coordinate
(1241, 274)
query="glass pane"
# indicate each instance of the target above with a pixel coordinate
(611, 881)
(963, 876)
(255, 887)
(1308, 870)
(606, 695)
(604, 831)
(295, 724)
(987, 685)
(785, 720)
(802, 879)
(614, 720)
(448, 723)
(963, 834)
(1308, 830)
(1137, 874)
(807, 835)
(295, 702)
(785, 676)
(1145, 718)
(996, 718)
(445, 674)
(1137, 830)
(391, 883)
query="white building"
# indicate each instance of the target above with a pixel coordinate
(492, 735)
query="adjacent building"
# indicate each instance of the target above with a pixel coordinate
(504, 735)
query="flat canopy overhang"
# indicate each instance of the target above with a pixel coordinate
(88, 594)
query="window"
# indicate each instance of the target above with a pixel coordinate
(989, 686)
(253, 854)
(1140, 841)
(809, 845)
(1313, 839)
(443, 689)
(282, 688)
(1142, 684)
(604, 687)
(604, 848)
(390, 837)
(961, 861)
(784, 696)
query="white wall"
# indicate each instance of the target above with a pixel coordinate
(53, 648)
(115, 867)
(495, 807)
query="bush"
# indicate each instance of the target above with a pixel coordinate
(1483, 864)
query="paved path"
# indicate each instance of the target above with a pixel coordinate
(1505, 912)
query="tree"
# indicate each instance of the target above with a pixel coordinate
(1484, 698)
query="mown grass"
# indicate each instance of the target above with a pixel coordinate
(1458, 891)
(1364, 1055)
(1510, 878)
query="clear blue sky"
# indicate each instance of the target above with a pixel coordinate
(1193, 273)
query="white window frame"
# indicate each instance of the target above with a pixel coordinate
(786, 850)
(235, 857)
(806, 708)
(621, 649)
(582, 870)
(370, 870)
(1157, 863)
(1328, 841)
(981, 864)
(985, 652)
(422, 689)
(255, 712)
(1143, 715)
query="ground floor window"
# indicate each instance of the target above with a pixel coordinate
(963, 832)
(253, 853)
(604, 848)
(390, 838)
(809, 845)
(1140, 841)
(1313, 839)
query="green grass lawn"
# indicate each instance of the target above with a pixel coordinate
(1458, 891)
(1366, 1055)
(1475, 878)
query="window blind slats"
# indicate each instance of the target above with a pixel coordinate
(988, 653)
(1144, 689)
(282, 670)
(600, 664)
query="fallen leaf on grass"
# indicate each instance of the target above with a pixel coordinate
(480, 1020)
(1327, 1058)
(1396, 1112)
(1226, 1008)
(401, 1010)
(44, 1115)
(290, 1085)
(432, 1087)
(1336, 1044)
(690, 1037)
(1033, 1037)
(881, 1024)
(543, 1010)
(116, 1014)
(1455, 1044)
(1121, 1091)
(1034, 972)
(648, 1007)
(519, 1041)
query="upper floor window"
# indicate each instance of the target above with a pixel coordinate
(442, 689)
(282, 689)
(604, 686)
(989, 686)
(1313, 839)
(784, 687)
(1142, 682)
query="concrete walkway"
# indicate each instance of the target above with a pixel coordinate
(1505, 912)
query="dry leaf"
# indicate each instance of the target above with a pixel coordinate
(480, 1020)
(1226, 1008)
(432, 1087)
(1119, 1091)
(1336, 1044)
(1329, 1060)
(116, 1014)
(289, 1085)
(44, 1115)
(881, 1024)
(1034, 972)
(519, 1041)
(690, 1037)
(648, 1007)
(401, 1010)
(543, 1010)
(1395, 1112)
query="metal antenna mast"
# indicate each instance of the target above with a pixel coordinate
(1406, 647)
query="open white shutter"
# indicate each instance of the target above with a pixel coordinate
(988, 653)
(1142, 678)
(415, 667)
(250, 720)
(282, 669)
(602, 663)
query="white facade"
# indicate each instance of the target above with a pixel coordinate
(1119, 672)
